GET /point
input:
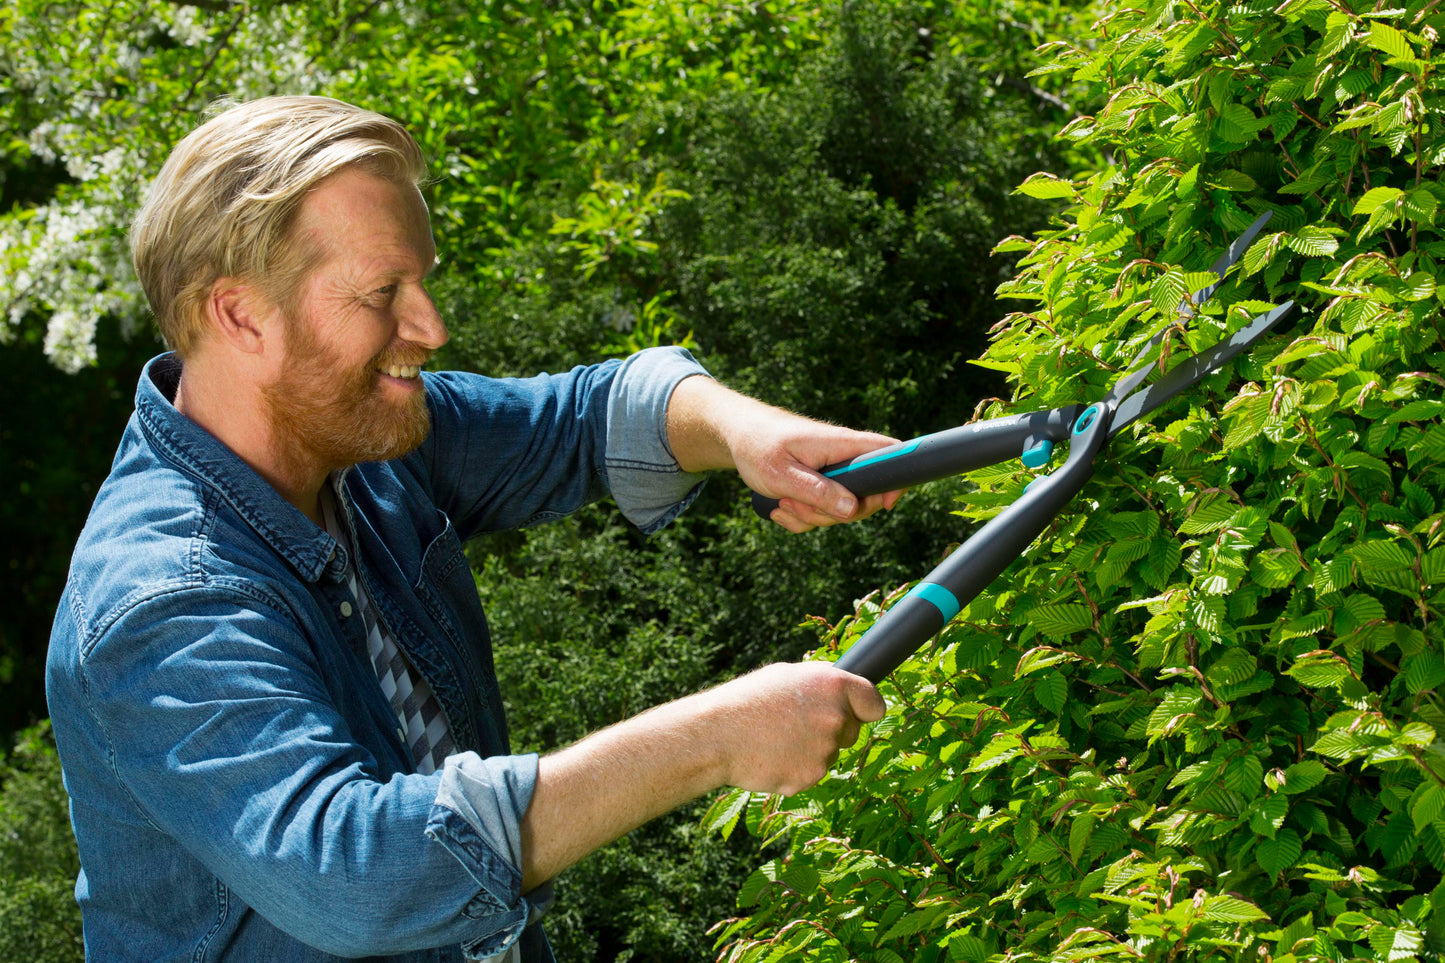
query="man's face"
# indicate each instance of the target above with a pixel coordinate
(363, 326)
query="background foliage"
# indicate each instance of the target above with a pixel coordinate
(1200, 718)
(807, 196)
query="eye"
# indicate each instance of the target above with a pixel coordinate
(382, 296)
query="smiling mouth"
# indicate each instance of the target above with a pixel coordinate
(404, 371)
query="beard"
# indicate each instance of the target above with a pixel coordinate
(325, 413)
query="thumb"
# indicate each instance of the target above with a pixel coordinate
(816, 492)
(865, 701)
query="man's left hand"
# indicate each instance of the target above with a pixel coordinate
(776, 452)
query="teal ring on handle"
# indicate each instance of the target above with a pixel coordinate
(939, 597)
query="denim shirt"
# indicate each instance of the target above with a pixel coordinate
(239, 788)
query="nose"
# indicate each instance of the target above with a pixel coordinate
(421, 323)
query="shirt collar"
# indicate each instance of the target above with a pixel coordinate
(307, 548)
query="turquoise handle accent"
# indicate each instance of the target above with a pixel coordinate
(1086, 419)
(1038, 456)
(939, 597)
(855, 465)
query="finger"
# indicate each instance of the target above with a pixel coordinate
(865, 701)
(807, 517)
(876, 503)
(784, 517)
(815, 495)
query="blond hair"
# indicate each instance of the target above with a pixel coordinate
(225, 200)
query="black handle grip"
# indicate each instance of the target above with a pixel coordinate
(918, 616)
(946, 453)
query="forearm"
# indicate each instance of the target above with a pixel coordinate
(774, 730)
(607, 785)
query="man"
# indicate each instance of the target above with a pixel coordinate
(270, 676)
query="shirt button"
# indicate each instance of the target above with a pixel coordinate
(346, 610)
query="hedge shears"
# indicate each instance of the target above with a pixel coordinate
(935, 600)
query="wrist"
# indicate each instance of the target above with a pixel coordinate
(703, 419)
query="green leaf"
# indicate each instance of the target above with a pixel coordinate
(1424, 671)
(1209, 514)
(1246, 418)
(1262, 251)
(1080, 831)
(1338, 33)
(1238, 123)
(1360, 609)
(914, 922)
(1304, 776)
(1320, 670)
(1343, 744)
(1313, 241)
(1398, 842)
(1231, 668)
(1168, 290)
(1229, 909)
(758, 882)
(1052, 691)
(1379, 556)
(1421, 206)
(996, 752)
(1427, 805)
(1269, 814)
(966, 948)
(1207, 613)
(1377, 198)
(1047, 187)
(1041, 657)
(1244, 775)
(1391, 41)
(1058, 621)
(1275, 567)
(1178, 703)
(722, 816)
(1279, 854)
(1392, 944)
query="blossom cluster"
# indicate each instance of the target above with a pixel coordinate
(105, 91)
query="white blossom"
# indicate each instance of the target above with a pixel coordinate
(91, 73)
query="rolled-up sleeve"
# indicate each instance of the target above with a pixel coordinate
(477, 817)
(643, 475)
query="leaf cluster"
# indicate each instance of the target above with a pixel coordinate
(1200, 718)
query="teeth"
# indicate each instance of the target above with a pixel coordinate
(404, 371)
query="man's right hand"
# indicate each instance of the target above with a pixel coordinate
(782, 726)
(778, 729)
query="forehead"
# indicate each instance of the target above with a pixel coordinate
(358, 217)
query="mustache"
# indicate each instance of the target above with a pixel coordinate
(401, 356)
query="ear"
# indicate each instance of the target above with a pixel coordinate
(239, 315)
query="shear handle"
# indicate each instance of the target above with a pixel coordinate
(944, 453)
(928, 607)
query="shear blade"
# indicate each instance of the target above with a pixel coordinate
(1139, 368)
(1194, 369)
(1226, 261)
